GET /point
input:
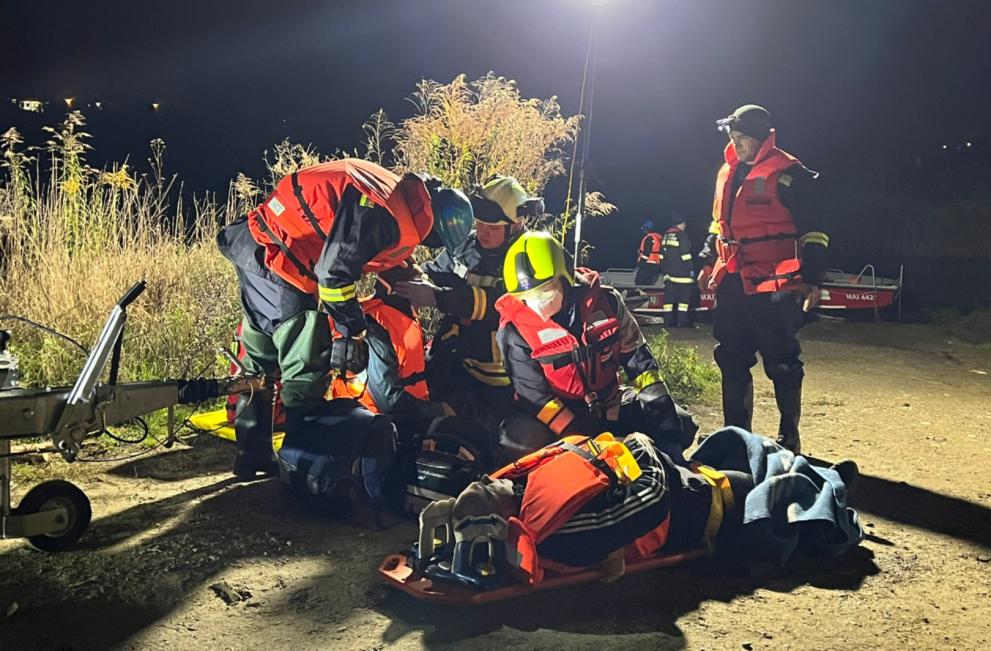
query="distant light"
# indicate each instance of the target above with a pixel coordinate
(968, 144)
(98, 105)
(69, 101)
(946, 146)
(155, 105)
(31, 105)
(13, 100)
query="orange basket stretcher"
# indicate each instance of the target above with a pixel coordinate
(396, 571)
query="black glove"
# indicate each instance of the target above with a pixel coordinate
(349, 354)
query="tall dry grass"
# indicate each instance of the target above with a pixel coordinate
(73, 239)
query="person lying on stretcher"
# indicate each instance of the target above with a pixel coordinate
(581, 502)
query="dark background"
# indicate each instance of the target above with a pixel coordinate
(867, 92)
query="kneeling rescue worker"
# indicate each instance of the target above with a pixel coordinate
(464, 363)
(564, 342)
(306, 246)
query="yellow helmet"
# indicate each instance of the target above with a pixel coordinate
(532, 261)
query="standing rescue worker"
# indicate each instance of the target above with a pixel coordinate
(564, 342)
(764, 256)
(464, 284)
(679, 277)
(305, 247)
(649, 255)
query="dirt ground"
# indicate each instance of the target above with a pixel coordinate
(911, 406)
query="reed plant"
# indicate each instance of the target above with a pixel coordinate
(74, 239)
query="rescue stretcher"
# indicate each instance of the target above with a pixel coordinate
(840, 291)
(397, 570)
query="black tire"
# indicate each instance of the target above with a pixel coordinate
(53, 494)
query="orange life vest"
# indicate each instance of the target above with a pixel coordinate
(561, 478)
(585, 369)
(757, 235)
(294, 221)
(407, 342)
(650, 248)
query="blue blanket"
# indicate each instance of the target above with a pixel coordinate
(794, 509)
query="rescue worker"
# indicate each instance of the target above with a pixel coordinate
(464, 362)
(679, 278)
(649, 255)
(764, 257)
(564, 341)
(305, 247)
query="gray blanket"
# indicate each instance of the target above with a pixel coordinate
(794, 508)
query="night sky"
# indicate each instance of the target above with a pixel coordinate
(864, 91)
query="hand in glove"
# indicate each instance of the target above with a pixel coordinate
(349, 354)
(419, 293)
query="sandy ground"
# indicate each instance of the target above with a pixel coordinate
(911, 406)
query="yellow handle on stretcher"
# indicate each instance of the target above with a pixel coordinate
(617, 456)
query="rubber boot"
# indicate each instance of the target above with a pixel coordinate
(253, 431)
(790, 407)
(738, 403)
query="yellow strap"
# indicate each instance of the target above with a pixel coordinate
(679, 280)
(714, 227)
(686, 256)
(722, 500)
(337, 294)
(645, 379)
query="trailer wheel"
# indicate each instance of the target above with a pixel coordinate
(52, 495)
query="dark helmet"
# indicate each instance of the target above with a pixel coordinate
(750, 119)
(647, 226)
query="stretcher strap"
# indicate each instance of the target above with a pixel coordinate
(722, 500)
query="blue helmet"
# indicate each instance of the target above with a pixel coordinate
(453, 216)
(647, 227)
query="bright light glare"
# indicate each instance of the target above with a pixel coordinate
(69, 101)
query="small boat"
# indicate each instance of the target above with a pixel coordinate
(840, 291)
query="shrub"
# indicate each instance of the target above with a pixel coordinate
(465, 132)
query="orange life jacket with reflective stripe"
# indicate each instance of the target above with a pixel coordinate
(650, 248)
(561, 478)
(757, 235)
(575, 369)
(407, 342)
(294, 221)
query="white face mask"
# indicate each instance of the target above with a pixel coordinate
(546, 307)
